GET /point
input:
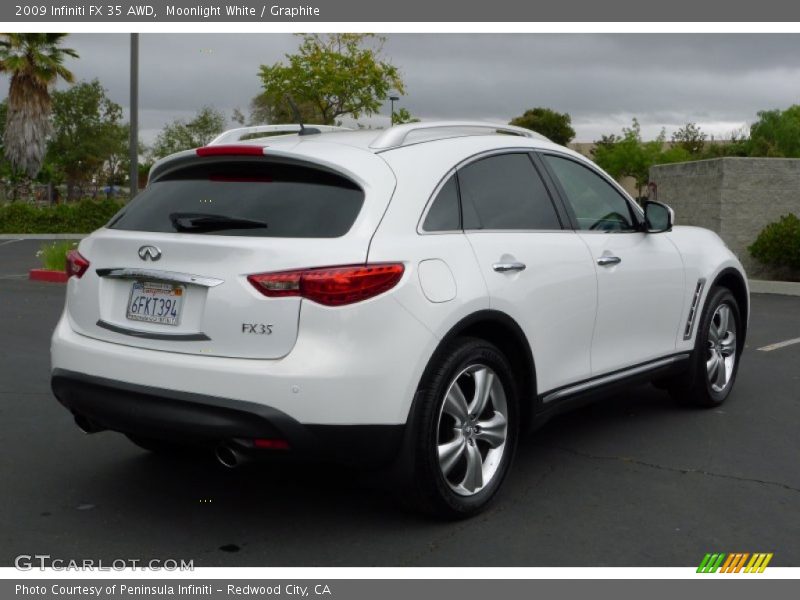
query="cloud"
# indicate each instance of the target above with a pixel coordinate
(602, 80)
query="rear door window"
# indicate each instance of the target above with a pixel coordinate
(505, 192)
(257, 199)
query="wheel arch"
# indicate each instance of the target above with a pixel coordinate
(504, 332)
(733, 280)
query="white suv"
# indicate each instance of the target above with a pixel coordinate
(413, 298)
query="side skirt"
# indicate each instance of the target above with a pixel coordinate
(578, 394)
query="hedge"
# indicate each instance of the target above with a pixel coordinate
(778, 244)
(82, 217)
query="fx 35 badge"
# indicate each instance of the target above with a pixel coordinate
(257, 328)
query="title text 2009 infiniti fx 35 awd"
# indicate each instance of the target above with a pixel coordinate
(413, 298)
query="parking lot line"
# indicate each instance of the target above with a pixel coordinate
(778, 345)
(3, 243)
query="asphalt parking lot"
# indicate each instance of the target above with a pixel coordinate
(632, 481)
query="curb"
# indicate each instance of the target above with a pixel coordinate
(43, 236)
(784, 288)
(47, 275)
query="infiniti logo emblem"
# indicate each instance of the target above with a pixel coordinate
(149, 253)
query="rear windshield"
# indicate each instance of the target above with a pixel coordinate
(247, 199)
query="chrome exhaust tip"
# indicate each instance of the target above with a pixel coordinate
(229, 456)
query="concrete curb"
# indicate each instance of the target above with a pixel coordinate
(43, 236)
(786, 288)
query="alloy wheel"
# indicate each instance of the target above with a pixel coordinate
(472, 430)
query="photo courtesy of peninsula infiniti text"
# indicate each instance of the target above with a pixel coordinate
(412, 300)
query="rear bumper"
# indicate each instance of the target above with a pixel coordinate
(195, 418)
(347, 367)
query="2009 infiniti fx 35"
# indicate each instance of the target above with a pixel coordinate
(414, 297)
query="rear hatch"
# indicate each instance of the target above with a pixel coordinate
(170, 271)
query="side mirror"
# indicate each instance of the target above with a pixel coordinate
(658, 217)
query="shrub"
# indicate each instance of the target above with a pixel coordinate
(778, 244)
(82, 217)
(54, 255)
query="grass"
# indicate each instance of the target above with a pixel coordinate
(54, 254)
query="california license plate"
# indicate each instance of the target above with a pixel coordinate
(156, 302)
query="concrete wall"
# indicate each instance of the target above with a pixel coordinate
(735, 197)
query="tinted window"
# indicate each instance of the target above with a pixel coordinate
(248, 199)
(505, 192)
(597, 205)
(443, 214)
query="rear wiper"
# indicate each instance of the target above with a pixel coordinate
(201, 222)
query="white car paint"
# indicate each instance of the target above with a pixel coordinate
(362, 363)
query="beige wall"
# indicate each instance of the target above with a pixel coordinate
(735, 197)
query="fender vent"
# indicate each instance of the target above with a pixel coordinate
(698, 291)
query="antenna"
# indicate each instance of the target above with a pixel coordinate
(296, 112)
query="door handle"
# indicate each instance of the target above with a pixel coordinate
(505, 267)
(606, 260)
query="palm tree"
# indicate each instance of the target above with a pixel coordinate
(35, 62)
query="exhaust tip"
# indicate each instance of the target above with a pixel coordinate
(228, 457)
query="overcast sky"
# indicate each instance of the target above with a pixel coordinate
(603, 80)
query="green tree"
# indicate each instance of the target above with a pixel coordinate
(185, 135)
(776, 133)
(691, 138)
(334, 75)
(35, 62)
(628, 156)
(555, 126)
(268, 109)
(89, 137)
(402, 115)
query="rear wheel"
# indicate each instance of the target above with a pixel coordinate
(718, 346)
(465, 430)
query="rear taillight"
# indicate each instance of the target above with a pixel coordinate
(76, 264)
(331, 286)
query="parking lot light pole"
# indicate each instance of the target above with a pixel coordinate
(393, 99)
(133, 142)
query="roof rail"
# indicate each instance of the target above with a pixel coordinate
(396, 136)
(235, 135)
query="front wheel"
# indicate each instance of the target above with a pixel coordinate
(465, 429)
(718, 346)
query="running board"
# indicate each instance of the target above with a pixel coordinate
(602, 380)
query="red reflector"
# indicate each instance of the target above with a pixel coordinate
(265, 444)
(331, 286)
(76, 264)
(231, 150)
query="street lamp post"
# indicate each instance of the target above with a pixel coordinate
(133, 142)
(393, 99)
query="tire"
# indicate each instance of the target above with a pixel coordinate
(715, 360)
(477, 446)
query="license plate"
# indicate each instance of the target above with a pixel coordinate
(155, 302)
